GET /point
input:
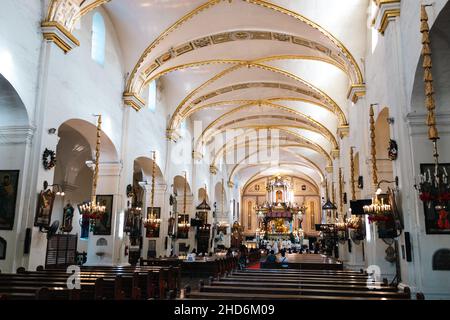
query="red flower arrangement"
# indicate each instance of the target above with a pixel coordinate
(379, 218)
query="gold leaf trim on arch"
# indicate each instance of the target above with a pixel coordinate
(312, 124)
(323, 53)
(177, 115)
(298, 139)
(255, 102)
(241, 62)
(269, 164)
(205, 6)
(68, 12)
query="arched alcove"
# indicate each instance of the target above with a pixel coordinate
(12, 110)
(382, 137)
(74, 173)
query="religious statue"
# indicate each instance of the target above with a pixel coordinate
(68, 212)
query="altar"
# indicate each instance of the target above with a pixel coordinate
(278, 215)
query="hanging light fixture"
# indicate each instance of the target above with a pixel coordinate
(152, 220)
(93, 211)
(434, 187)
(329, 206)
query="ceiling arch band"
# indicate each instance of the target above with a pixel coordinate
(270, 165)
(301, 141)
(310, 123)
(309, 91)
(144, 62)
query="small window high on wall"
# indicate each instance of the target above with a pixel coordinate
(152, 96)
(98, 39)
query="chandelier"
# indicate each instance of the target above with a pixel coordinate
(93, 211)
(378, 210)
(433, 186)
(152, 220)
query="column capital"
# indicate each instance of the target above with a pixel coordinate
(356, 91)
(173, 135)
(55, 32)
(343, 131)
(329, 169)
(335, 153)
(133, 100)
(387, 11)
(230, 184)
(197, 155)
(213, 169)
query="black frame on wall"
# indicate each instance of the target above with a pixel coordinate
(431, 214)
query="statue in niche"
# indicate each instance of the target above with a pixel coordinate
(68, 212)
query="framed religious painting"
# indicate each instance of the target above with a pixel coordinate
(437, 215)
(44, 208)
(2, 249)
(153, 222)
(9, 180)
(103, 225)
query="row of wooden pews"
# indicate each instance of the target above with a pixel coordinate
(201, 267)
(96, 283)
(290, 284)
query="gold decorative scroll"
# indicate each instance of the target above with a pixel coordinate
(427, 65)
(97, 159)
(352, 174)
(373, 149)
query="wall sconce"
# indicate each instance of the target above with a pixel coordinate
(390, 120)
(51, 131)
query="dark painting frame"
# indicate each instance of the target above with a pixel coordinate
(3, 245)
(153, 232)
(103, 225)
(43, 215)
(8, 207)
(431, 215)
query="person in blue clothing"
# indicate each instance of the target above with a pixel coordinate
(271, 258)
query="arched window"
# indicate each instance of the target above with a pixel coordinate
(152, 96)
(249, 215)
(98, 39)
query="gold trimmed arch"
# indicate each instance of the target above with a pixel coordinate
(178, 114)
(269, 164)
(256, 102)
(306, 143)
(68, 12)
(132, 95)
(242, 62)
(311, 124)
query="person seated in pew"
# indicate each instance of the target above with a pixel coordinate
(271, 258)
(283, 260)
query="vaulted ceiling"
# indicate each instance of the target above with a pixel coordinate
(287, 67)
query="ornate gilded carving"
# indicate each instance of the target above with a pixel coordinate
(352, 174)
(373, 150)
(61, 18)
(427, 65)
